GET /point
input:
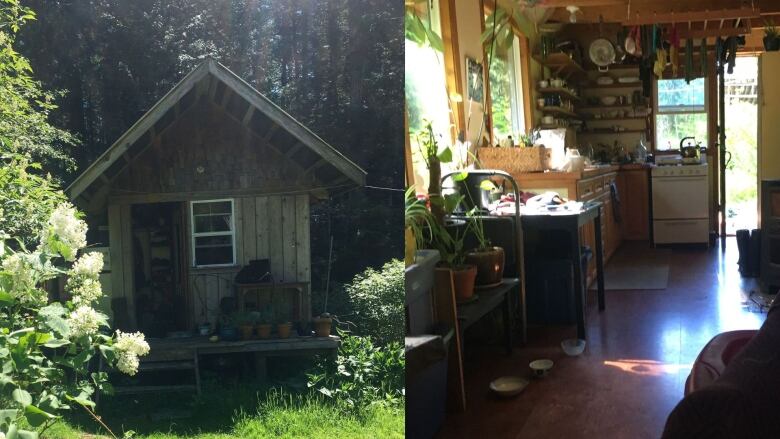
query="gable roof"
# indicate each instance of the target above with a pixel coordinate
(131, 143)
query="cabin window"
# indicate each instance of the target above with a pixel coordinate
(213, 233)
(506, 92)
(681, 111)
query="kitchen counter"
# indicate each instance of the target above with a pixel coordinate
(586, 173)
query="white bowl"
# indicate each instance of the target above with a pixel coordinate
(508, 385)
(608, 100)
(541, 367)
(573, 346)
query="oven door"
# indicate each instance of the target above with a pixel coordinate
(680, 197)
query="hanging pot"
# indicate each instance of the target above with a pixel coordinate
(602, 53)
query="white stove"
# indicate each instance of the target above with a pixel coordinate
(680, 204)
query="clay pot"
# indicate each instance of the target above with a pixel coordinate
(322, 326)
(490, 265)
(463, 277)
(246, 331)
(264, 330)
(283, 329)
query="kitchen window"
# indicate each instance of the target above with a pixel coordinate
(425, 86)
(213, 233)
(681, 111)
(506, 93)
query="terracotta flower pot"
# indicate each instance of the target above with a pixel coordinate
(264, 330)
(490, 265)
(246, 331)
(463, 277)
(322, 326)
(283, 329)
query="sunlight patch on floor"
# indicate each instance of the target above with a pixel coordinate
(647, 367)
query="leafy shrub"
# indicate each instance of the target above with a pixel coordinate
(26, 199)
(45, 349)
(378, 302)
(363, 375)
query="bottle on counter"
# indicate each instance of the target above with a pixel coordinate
(640, 150)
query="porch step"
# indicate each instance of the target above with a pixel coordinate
(154, 389)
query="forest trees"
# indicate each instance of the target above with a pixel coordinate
(27, 196)
(335, 65)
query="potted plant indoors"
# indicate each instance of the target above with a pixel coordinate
(449, 241)
(771, 41)
(417, 219)
(263, 325)
(488, 259)
(322, 325)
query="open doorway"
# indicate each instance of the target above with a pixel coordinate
(741, 93)
(159, 270)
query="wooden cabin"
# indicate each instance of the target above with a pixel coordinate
(213, 176)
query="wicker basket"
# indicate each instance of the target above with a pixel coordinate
(515, 160)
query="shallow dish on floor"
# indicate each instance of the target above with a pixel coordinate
(508, 385)
(541, 367)
(573, 346)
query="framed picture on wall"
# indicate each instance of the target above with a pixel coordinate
(475, 82)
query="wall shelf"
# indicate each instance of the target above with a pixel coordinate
(563, 92)
(612, 132)
(559, 111)
(615, 85)
(560, 64)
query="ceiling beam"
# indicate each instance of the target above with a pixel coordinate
(641, 18)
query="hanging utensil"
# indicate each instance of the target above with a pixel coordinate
(703, 57)
(601, 51)
(638, 41)
(620, 52)
(674, 50)
(688, 60)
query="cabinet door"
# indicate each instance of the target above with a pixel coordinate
(636, 201)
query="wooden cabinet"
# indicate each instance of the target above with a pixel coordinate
(634, 189)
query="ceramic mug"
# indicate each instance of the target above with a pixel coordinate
(540, 102)
(557, 83)
(543, 83)
(548, 120)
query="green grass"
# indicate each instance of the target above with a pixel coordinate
(236, 412)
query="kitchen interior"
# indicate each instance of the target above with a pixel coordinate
(624, 106)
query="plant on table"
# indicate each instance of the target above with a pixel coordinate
(245, 322)
(449, 240)
(488, 259)
(47, 349)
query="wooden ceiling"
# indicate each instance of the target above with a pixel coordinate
(727, 17)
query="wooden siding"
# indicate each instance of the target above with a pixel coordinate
(207, 151)
(272, 227)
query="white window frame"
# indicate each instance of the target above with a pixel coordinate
(657, 111)
(231, 233)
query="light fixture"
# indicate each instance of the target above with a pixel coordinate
(573, 13)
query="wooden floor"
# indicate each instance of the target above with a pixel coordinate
(632, 373)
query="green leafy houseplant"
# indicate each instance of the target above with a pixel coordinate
(417, 220)
(434, 155)
(46, 349)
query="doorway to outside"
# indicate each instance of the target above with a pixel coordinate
(741, 93)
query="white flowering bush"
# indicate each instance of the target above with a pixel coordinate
(49, 351)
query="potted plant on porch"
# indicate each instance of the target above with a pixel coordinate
(245, 324)
(263, 324)
(322, 325)
(283, 327)
(417, 219)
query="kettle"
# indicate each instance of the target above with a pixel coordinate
(691, 150)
